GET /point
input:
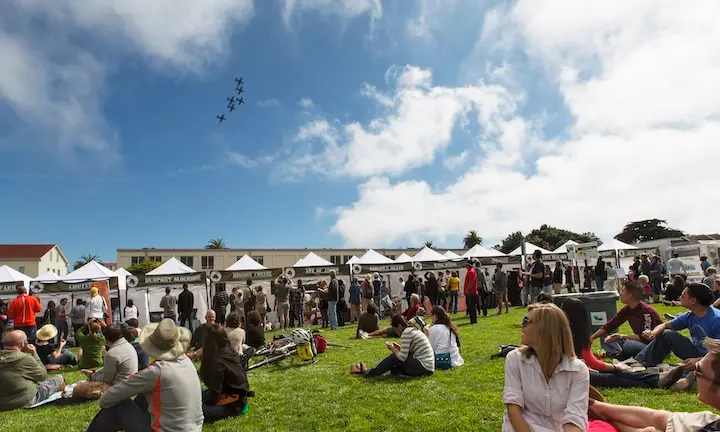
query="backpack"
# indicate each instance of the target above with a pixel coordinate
(305, 352)
(320, 343)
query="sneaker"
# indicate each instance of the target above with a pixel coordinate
(686, 383)
(364, 335)
(670, 378)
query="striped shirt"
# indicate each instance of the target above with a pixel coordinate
(414, 342)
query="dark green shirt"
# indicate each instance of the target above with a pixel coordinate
(91, 348)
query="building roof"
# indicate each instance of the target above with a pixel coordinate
(24, 251)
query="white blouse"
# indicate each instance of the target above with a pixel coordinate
(546, 406)
(131, 312)
(96, 307)
(443, 341)
(237, 337)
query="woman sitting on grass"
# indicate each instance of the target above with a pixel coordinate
(92, 344)
(414, 356)
(235, 333)
(49, 353)
(223, 373)
(443, 335)
(605, 374)
(255, 335)
(367, 321)
(414, 308)
(546, 386)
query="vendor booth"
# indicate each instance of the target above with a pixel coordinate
(10, 281)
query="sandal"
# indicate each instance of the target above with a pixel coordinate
(357, 369)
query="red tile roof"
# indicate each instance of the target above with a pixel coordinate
(17, 251)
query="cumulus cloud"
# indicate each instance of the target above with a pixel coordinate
(637, 79)
(268, 103)
(451, 162)
(346, 9)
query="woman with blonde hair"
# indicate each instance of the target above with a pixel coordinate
(96, 306)
(546, 385)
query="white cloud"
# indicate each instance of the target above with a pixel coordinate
(243, 160)
(638, 79)
(451, 162)
(346, 9)
(305, 103)
(269, 103)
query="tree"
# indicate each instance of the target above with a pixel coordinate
(511, 242)
(472, 239)
(85, 259)
(551, 238)
(645, 230)
(143, 267)
(216, 243)
(429, 244)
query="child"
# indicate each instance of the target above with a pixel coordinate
(645, 282)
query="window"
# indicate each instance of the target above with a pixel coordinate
(346, 258)
(188, 260)
(21, 269)
(155, 258)
(208, 262)
(336, 259)
(259, 258)
(392, 257)
(136, 260)
(57, 257)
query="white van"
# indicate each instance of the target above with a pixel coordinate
(690, 256)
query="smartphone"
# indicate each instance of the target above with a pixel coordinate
(388, 343)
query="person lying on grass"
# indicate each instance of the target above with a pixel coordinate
(414, 356)
(638, 419)
(413, 309)
(546, 385)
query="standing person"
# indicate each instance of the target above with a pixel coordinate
(61, 320)
(536, 274)
(342, 305)
(131, 311)
(656, 276)
(97, 307)
(249, 298)
(546, 362)
(377, 287)
(569, 278)
(557, 278)
(454, 288)
(432, 287)
(260, 304)
(333, 297)
(355, 300)
(49, 315)
(482, 288)
(219, 303)
(410, 288)
(186, 304)
(169, 305)
(367, 291)
(3, 321)
(635, 269)
(499, 281)
(168, 391)
(297, 299)
(600, 275)
(22, 312)
(704, 263)
(676, 267)
(77, 317)
(547, 281)
(282, 307)
(471, 292)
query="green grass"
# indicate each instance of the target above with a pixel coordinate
(301, 396)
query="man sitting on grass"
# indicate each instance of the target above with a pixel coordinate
(638, 419)
(23, 375)
(121, 360)
(367, 322)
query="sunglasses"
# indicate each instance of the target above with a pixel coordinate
(525, 322)
(702, 376)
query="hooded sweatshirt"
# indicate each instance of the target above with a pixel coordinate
(19, 375)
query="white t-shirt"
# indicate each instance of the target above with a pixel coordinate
(237, 337)
(96, 307)
(131, 312)
(443, 341)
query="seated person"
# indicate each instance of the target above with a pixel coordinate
(638, 314)
(92, 344)
(48, 352)
(673, 291)
(390, 331)
(199, 336)
(644, 281)
(223, 372)
(23, 376)
(235, 333)
(443, 335)
(120, 362)
(702, 320)
(130, 333)
(168, 391)
(413, 357)
(255, 334)
(543, 298)
(368, 321)
(546, 361)
(412, 309)
(632, 418)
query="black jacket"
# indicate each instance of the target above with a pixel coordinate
(186, 303)
(431, 287)
(226, 377)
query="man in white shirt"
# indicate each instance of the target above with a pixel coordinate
(676, 267)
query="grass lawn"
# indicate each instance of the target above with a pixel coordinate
(297, 396)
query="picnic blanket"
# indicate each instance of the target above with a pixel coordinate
(64, 395)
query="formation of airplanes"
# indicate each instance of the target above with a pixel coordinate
(233, 100)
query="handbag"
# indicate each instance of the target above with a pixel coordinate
(442, 360)
(267, 306)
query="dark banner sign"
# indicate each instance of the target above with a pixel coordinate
(134, 281)
(381, 268)
(243, 275)
(309, 272)
(629, 253)
(61, 286)
(10, 287)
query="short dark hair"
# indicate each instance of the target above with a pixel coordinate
(371, 309)
(113, 333)
(133, 322)
(130, 333)
(79, 302)
(232, 320)
(498, 265)
(185, 286)
(635, 289)
(701, 293)
(253, 318)
(167, 290)
(398, 321)
(543, 298)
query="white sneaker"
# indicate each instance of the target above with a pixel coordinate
(364, 335)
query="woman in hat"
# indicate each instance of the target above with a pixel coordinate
(48, 352)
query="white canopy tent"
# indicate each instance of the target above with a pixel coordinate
(246, 263)
(478, 251)
(121, 272)
(615, 245)
(9, 277)
(47, 277)
(451, 255)
(312, 260)
(353, 259)
(373, 257)
(563, 248)
(427, 254)
(90, 271)
(529, 249)
(403, 258)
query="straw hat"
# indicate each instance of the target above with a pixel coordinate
(164, 340)
(46, 332)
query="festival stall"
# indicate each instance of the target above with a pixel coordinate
(403, 258)
(10, 280)
(451, 255)
(623, 261)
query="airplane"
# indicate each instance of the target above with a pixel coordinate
(221, 118)
(241, 100)
(231, 107)
(239, 81)
(239, 90)
(230, 99)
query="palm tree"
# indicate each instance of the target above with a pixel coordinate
(429, 244)
(472, 239)
(216, 243)
(85, 259)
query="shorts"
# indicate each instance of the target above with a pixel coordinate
(391, 332)
(283, 308)
(46, 389)
(690, 422)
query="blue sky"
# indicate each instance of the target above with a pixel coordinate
(365, 124)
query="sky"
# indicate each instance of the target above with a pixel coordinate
(366, 123)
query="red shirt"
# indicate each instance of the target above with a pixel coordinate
(470, 282)
(22, 310)
(643, 317)
(411, 311)
(592, 362)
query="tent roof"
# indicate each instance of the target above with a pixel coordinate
(246, 263)
(450, 254)
(373, 257)
(312, 260)
(122, 272)
(478, 251)
(563, 247)
(427, 254)
(615, 245)
(47, 277)
(403, 258)
(90, 271)
(171, 266)
(529, 248)
(353, 259)
(9, 274)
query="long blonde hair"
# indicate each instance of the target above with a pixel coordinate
(553, 338)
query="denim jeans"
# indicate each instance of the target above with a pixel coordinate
(29, 332)
(454, 301)
(376, 300)
(128, 415)
(471, 300)
(63, 329)
(668, 341)
(186, 318)
(332, 314)
(624, 379)
(66, 357)
(623, 349)
(409, 367)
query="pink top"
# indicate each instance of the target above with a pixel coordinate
(592, 362)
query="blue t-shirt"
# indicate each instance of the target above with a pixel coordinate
(355, 294)
(700, 328)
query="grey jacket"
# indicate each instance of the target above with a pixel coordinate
(175, 384)
(121, 361)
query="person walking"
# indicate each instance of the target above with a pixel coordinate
(169, 305)
(186, 304)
